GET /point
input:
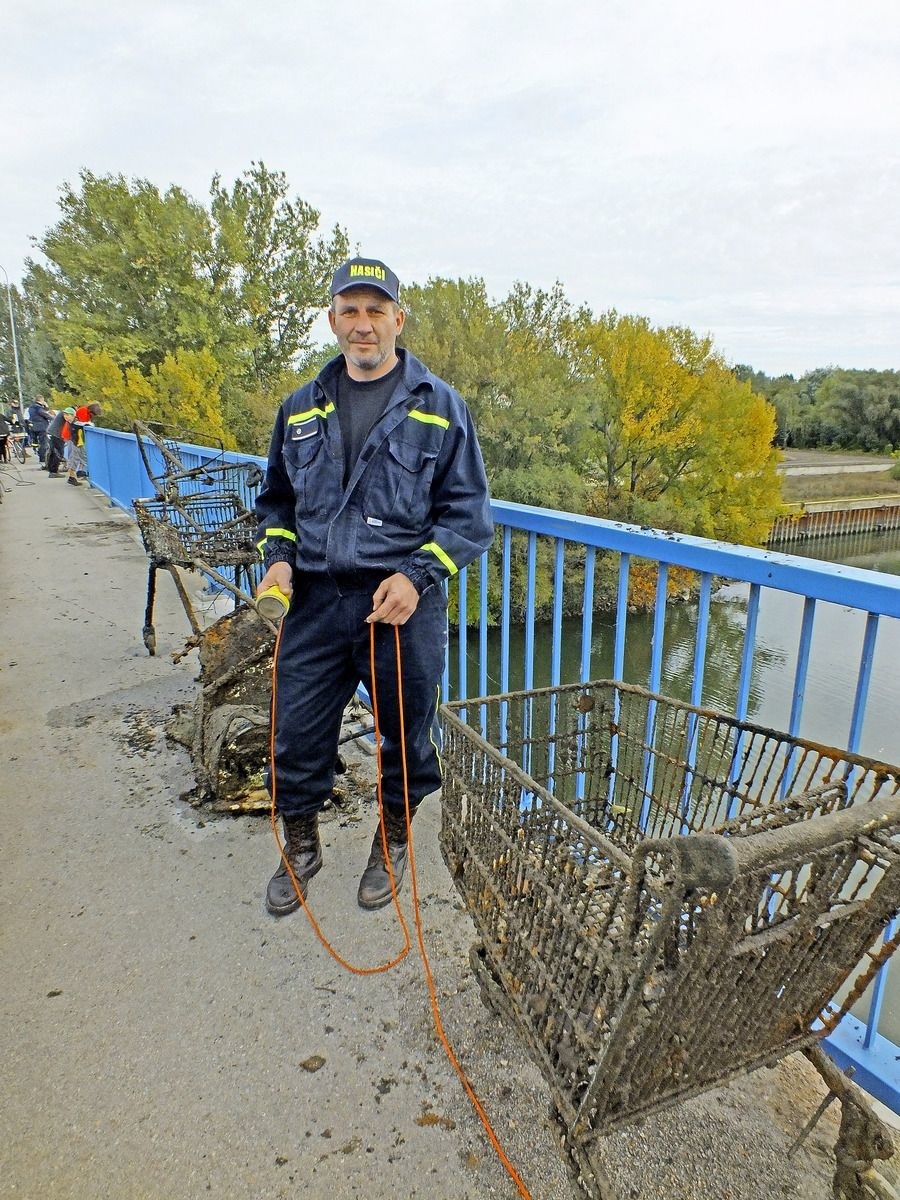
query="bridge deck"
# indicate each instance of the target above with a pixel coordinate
(154, 1019)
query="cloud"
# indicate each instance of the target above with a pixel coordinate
(700, 162)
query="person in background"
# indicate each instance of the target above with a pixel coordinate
(57, 432)
(375, 493)
(84, 415)
(5, 431)
(15, 416)
(38, 419)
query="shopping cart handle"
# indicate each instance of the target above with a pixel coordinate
(700, 860)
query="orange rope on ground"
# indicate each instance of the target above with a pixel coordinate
(432, 991)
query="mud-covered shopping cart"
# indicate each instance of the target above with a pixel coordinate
(200, 519)
(665, 897)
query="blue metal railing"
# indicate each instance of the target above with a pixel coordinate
(527, 535)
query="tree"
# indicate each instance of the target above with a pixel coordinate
(788, 406)
(862, 408)
(143, 277)
(273, 273)
(128, 274)
(676, 440)
(506, 360)
(808, 426)
(182, 390)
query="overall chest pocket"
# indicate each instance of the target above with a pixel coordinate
(305, 461)
(410, 471)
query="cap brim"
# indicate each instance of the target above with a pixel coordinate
(355, 284)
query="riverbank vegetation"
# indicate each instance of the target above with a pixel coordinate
(831, 407)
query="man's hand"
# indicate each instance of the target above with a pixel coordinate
(280, 574)
(394, 602)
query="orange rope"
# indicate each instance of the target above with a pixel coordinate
(432, 991)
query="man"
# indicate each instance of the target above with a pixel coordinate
(57, 436)
(375, 493)
(38, 419)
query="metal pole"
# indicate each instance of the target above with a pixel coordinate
(12, 326)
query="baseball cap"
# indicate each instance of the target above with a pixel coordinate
(366, 272)
(69, 412)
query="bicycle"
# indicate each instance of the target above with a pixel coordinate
(18, 443)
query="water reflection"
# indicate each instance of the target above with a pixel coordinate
(872, 551)
(834, 663)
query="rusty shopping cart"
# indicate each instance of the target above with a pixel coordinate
(665, 897)
(200, 519)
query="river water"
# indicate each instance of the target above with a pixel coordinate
(834, 661)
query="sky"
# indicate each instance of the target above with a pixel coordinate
(727, 166)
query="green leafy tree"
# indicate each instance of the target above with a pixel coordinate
(272, 271)
(862, 409)
(810, 429)
(128, 273)
(143, 276)
(506, 359)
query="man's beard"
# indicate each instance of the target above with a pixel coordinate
(368, 358)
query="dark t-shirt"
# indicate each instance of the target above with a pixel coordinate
(359, 406)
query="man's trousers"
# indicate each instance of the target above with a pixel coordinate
(323, 655)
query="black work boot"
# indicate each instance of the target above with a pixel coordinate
(304, 852)
(375, 885)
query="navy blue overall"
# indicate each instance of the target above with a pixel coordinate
(324, 653)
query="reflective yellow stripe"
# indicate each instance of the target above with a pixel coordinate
(430, 419)
(297, 418)
(273, 533)
(441, 556)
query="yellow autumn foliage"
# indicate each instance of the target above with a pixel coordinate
(675, 440)
(181, 391)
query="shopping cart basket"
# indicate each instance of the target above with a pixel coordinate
(204, 532)
(177, 466)
(665, 897)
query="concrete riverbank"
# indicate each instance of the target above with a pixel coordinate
(164, 1039)
(835, 518)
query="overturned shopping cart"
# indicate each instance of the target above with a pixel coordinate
(200, 519)
(666, 897)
